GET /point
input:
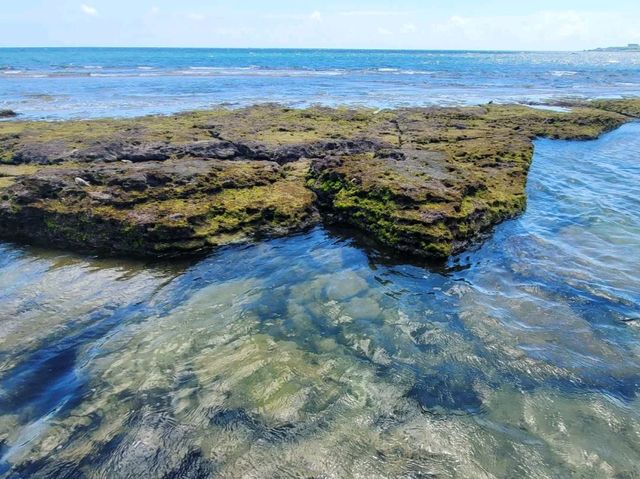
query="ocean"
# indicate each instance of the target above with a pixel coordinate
(319, 355)
(54, 83)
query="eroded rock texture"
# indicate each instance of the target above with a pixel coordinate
(425, 181)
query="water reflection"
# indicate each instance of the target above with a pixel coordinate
(313, 357)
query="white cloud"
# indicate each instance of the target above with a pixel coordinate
(384, 31)
(315, 16)
(568, 24)
(544, 30)
(89, 10)
(154, 10)
(408, 28)
(459, 21)
(373, 13)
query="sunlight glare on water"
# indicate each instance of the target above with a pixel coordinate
(54, 83)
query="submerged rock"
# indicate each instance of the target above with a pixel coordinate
(442, 393)
(427, 181)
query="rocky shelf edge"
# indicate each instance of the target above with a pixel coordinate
(427, 181)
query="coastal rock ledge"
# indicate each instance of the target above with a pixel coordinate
(426, 181)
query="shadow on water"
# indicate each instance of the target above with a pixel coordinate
(50, 378)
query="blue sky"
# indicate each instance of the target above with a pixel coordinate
(452, 24)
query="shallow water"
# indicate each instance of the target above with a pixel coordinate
(316, 356)
(60, 83)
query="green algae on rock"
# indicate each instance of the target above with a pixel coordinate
(427, 181)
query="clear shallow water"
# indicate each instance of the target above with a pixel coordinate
(56, 83)
(313, 356)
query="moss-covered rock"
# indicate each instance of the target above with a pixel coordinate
(422, 180)
(452, 174)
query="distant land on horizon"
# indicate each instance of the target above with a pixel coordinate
(631, 47)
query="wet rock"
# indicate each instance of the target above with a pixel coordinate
(8, 114)
(165, 208)
(101, 197)
(322, 149)
(41, 153)
(40, 187)
(135, 182)
(128, 151)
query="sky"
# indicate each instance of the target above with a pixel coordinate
(397, 24)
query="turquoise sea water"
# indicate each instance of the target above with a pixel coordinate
(319, 356)
(88, 82)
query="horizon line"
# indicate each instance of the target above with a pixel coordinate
(486, 50)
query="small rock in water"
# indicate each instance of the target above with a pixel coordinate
(81, 182)
(7, 114)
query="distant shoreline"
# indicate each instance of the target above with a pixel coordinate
(631, 47)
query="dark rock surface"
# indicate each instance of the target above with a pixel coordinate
(8, 114)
